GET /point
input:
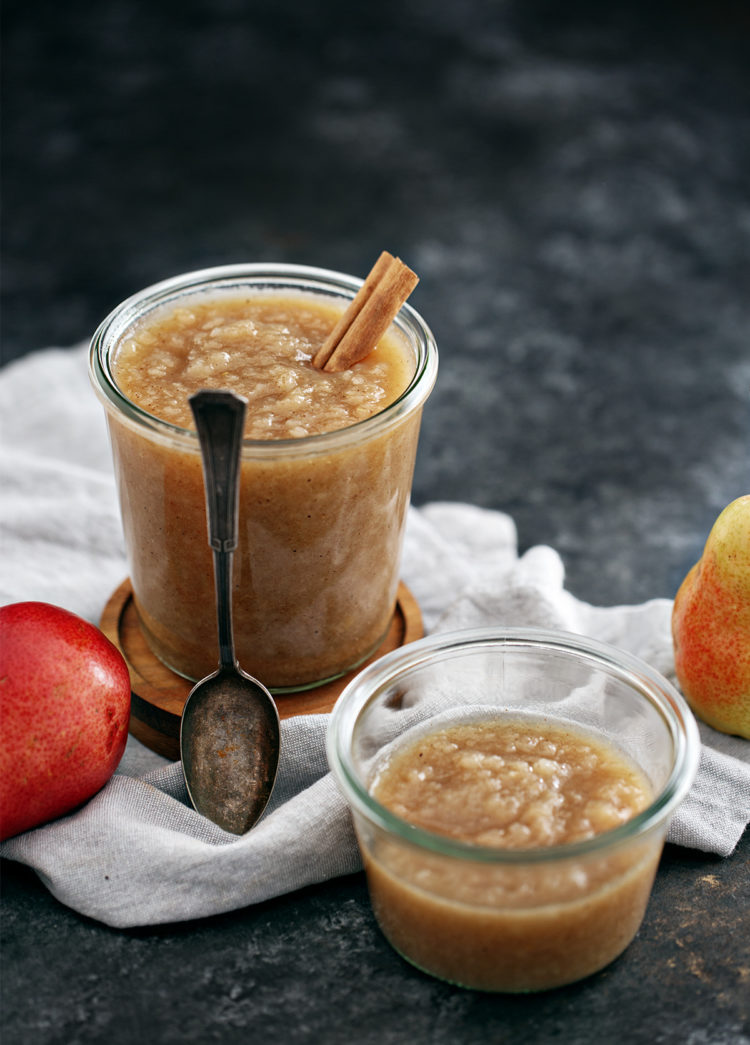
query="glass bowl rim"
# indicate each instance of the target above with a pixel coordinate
(283, 275)
(650, 683)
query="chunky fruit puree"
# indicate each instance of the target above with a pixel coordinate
(512, 785)
(323, 495)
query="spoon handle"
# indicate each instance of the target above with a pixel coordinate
(219, 419)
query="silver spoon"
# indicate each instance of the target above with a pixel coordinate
(229, 733)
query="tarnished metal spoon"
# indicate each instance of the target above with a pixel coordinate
(229, 733)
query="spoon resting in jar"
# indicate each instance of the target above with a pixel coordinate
(229, 733)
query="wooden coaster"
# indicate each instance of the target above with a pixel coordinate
(158, 694)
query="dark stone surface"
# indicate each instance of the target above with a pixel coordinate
(313, 967)
(571, 181)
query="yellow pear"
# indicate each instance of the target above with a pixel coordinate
(711, 625)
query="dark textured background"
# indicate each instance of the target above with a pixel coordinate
(572, 183)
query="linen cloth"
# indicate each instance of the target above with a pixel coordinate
(137, 853)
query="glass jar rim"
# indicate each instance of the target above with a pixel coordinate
(363, 690)
(279, 275)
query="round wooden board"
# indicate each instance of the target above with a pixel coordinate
(158, 694)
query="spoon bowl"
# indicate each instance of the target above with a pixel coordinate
(224, 735)
(229, 733)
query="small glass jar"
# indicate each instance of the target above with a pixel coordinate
(511, 919)
(322, 517)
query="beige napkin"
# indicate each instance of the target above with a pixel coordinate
(136, 853)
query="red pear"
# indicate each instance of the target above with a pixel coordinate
(711, 625)
(64, 712)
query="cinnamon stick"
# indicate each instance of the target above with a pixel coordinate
(387, 286)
